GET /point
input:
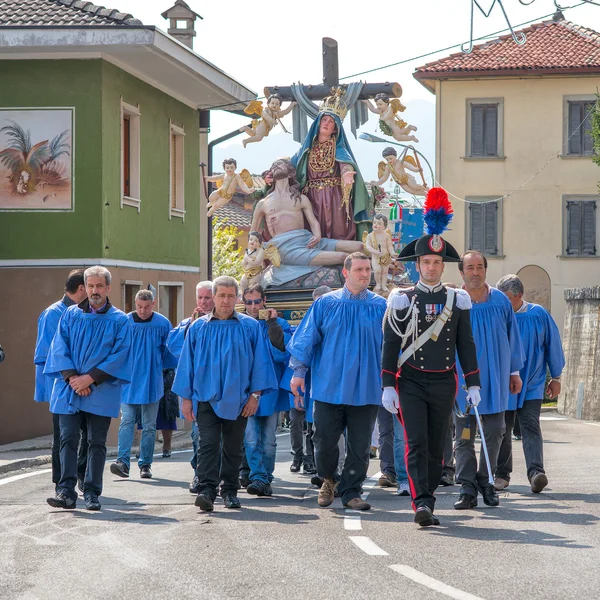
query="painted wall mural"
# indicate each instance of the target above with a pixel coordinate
(36, 159)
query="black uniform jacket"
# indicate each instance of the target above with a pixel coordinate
(455, 338)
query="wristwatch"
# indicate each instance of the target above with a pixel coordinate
(255, 395)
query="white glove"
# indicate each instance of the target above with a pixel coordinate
(473, 396)
(390, 400)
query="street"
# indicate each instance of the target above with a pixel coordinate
(150, 541)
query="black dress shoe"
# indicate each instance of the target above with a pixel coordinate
(61, 500)
(119, 468)
(194, 486)
(447, 479)
(146, 472)
(424, 517)
(231, 501)
(490, 496)
(295, 466)
(309, 468)
(259, 488)
(204, 502)
(436, 521)
(465, 501)
(91, 501)
(244, 481)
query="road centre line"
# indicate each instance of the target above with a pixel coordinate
(432, 584)
(553, 418)
(23, 476)
(352, 520)
(367, 545)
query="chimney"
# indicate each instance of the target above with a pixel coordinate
(181, 22)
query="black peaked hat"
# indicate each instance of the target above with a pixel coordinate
(429, 244)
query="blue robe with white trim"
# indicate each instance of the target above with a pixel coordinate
(86, 341)
(222, 362)
(149, 357)
(47, 327)
(499, 352)
(543, 349)
(340, 339)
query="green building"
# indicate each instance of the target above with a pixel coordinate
(103, 125)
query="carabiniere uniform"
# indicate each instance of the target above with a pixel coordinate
(424, 329)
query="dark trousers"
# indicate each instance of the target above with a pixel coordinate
(330, 422)
(97, 430)
(219, 438)
(385, 420)
(299, 429)
(533, 443)
(81, 456)
(449, 467)
(426, 401)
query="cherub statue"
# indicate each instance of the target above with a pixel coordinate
(389, 121)
(379, 245)
(392, 166)
(253, 261)
(227, 185)
(270, 116)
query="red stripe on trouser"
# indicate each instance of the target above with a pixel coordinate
(411, 483)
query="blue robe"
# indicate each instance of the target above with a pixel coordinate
(86, 341)
(222, 362)
(499, 352)
(149, 357)
(340, 339)
(275, 400)
(47, 327)
(177, 337)
(308, 401)
(543, 348)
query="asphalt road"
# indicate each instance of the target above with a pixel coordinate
(150, 541)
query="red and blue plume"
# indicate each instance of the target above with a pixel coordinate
(437, 211)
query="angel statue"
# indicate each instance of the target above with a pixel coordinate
(394, 167)
(227, 185)
(270, 116)
(389, 121)
(378, 244)
(253, 263)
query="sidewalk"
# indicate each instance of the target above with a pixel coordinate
(36, 452)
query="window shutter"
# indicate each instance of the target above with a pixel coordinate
(477, 146)
(588, 228)
(573, 228)
(476, 231)
(574, 121)
(173, 171)
(491, 130)
(126, 155)
(586, 136)
(491, 228)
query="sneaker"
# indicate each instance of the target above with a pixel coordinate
(538, 482)
(327, 492)
(403, 488)
(166, 454)
(231, 501)
(119, 468)
(204, 502)
(259, 488)
(61, 500)
(447, 479)
(357, 504)
(308, 468)
(296, 464)
(194, 486)
(387, 480)
(244, 481)
(517, 438)
(500, 483)
(145, 472)
(91, 501)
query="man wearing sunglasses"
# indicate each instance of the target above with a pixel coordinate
(260, 441)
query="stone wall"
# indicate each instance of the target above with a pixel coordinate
(581, 340)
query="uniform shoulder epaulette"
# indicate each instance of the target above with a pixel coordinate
(398, 300)
(463, 300)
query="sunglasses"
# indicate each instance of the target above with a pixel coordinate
(249, 302)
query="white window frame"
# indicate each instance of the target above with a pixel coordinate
(499, 133)
(566, 100)
(179, 209)
(181, 296)
(134, 198)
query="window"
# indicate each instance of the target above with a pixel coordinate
(484, 128)
(484, 227)
(579, 138)
(581, 226)
(130, 155)
(176, 193)
(170, 300)
(128, 291)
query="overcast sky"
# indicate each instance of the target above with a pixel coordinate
(276, 43)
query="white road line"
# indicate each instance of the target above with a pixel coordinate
(352, 522)
(594, 424)
(367, 545)
(23, 476)
(433, 584)
(554, 418)
(352, 518)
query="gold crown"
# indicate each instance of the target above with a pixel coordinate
(335, 104)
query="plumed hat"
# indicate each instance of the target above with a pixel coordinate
(437, 214)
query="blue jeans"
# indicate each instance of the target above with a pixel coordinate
(261, 445)
(399, 451)
(126, 430)
(195, 435)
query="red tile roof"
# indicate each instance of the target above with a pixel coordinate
(559, 46)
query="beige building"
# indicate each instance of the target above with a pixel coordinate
(513, 122)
